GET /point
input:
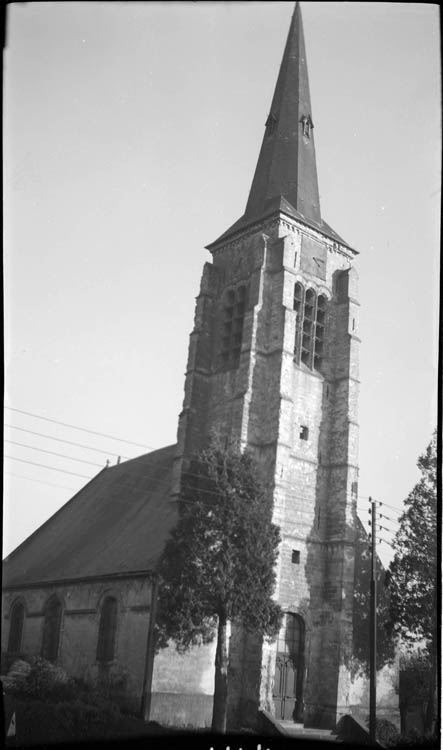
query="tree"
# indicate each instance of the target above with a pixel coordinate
(412, 575)
(361, 619)
(219, 564)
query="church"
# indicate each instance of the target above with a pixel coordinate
(273, 366)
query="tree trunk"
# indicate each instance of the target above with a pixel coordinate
(219, 713)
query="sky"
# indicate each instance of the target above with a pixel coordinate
(131, 134)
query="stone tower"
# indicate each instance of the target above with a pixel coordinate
(273, 365)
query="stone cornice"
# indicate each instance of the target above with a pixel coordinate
(79, 579)
(293, 225)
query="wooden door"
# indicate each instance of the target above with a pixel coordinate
(288, 680)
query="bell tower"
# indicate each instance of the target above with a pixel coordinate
(273, 365)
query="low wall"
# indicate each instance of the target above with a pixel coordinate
(182, 709)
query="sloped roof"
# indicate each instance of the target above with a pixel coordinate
(286, 164)
(274, 206)
(117, 523)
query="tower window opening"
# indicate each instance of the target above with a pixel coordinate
(304, 432)
(310, 326)
(298, 297)
(295, 557)
(232, 327)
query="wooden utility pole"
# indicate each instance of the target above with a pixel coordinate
(373, 629)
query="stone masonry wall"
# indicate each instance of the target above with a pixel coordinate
(81, 606)
(264, 403)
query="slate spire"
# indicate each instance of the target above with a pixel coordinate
(286, 166)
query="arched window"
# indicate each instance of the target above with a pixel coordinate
(308, 327)
(290, 638)
(320, 331)
(17, 620)
(232, 331)
(51, 629)
(299, 293)
(107, 630)
(309, 346)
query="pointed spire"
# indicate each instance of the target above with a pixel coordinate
(286, 165)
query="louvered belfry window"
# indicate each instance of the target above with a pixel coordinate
(107, 630)
(232, 327)
(309, 345)
(16, 628)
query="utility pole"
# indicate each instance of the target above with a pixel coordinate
(373, 629)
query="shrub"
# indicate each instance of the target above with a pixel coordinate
(386, 732)
(16, 679)
(44, 680)
(8, 659)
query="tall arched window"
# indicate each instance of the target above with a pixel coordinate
(51, 629)
(320, 331)
(232, 330)
(309, 346)
(17, 620)
(308, 327)
(299, 294)
(107, 630)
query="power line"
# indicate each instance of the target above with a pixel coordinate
(163, 482)
(74, 427)
(39, 481)
(53, 453)
(279, 482)
(390, 520)
(68, 442)
(392, 507)
(52, 468)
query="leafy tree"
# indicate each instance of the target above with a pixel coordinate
(412, 575)
(360, 620)
(219, 563)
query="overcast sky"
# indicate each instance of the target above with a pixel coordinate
(131, 134)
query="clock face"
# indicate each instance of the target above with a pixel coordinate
(313, 257)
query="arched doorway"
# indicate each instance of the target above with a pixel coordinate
(288, 681)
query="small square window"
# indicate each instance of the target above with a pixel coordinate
(295, 558)
(304, 432)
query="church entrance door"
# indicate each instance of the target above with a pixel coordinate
(288, 681)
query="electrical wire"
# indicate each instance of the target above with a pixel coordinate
(68, 442)
(40, 481)
(52, 468)
(164, 482)
(279, 482)
(53, 453)
(74, 427)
